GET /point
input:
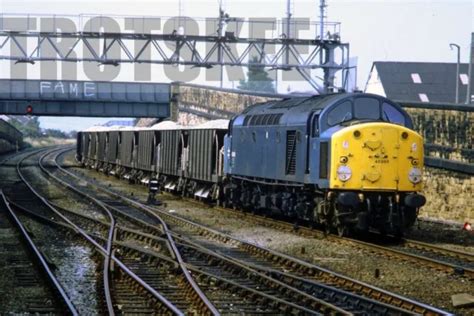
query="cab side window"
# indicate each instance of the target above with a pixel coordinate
(392, 114)
(315, 126)
(341, 113)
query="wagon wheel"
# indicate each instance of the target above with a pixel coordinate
(223, 202)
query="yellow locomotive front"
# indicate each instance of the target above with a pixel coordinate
(376, 171)
(376, 157)
(375, 165)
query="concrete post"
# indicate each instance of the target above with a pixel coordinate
(457, 69)
(471, 61)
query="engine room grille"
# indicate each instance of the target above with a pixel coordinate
(262, 119)
(323, 161)
(290, 152)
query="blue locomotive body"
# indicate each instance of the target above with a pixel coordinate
(289, 141)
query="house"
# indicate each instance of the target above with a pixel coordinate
(419, 81)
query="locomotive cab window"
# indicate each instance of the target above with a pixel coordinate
(392, 114)
(367, 109)
(341, 113)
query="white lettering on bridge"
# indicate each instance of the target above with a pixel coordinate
(68, 89)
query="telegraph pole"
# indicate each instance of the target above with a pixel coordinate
(289, 14)
(222, 25)
(322, 15)
(328, 57)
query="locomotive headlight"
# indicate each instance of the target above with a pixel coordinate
(344, 173)
(414, 175)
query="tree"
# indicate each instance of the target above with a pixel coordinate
(55, 133)
(257, 79)
(31, 128)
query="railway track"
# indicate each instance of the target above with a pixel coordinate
(133, 237)
(428, 255)
(26, 272)
(448, 260)
(301, 275)
(268, 303)
(127, 293)
(240, 298)
(424, 254)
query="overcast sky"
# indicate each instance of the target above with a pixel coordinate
(416, 30)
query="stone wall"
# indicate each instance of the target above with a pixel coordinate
(196, 104)
(190, 119)
(449, 195)
(146, 122)
(448, 134)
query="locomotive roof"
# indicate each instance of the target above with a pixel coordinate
(300, 104)
(296, 110)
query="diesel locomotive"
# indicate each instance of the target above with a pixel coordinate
(347, 161)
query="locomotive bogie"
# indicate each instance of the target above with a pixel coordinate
(387, 212)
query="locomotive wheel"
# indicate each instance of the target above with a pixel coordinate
(342, 230)
(327, 229)
(398, 232)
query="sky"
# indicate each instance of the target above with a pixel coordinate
(389, 30)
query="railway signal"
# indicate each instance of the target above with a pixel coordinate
(153, 189)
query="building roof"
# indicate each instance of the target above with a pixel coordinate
(419, 81)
